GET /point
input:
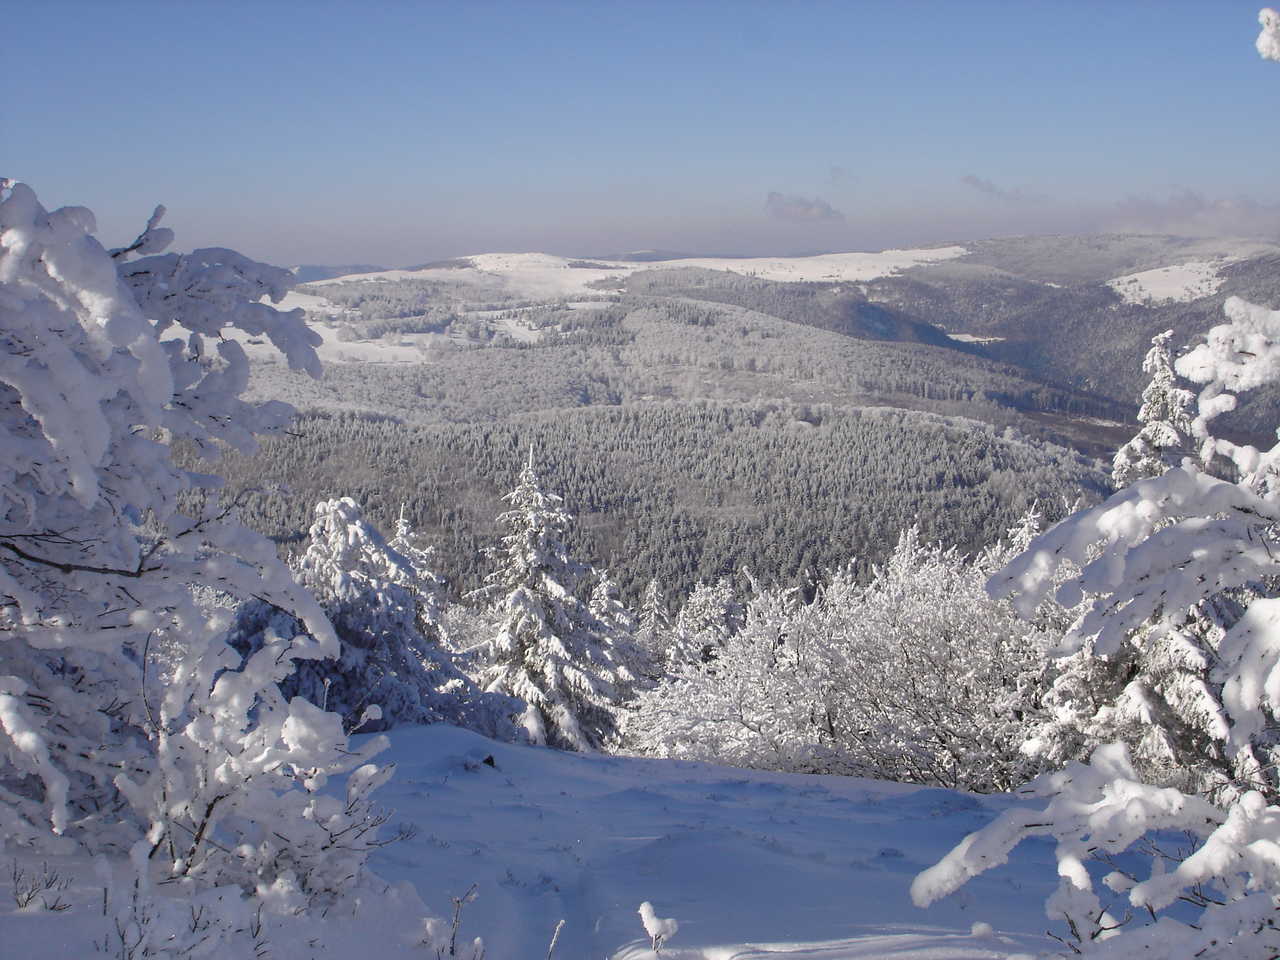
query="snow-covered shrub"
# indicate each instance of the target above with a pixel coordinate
(211, 777)
(659, 929)
(549, 650)
(754, 705)
(937, 683)
(916, 675)
(387, 671)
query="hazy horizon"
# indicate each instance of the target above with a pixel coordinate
(335, 133)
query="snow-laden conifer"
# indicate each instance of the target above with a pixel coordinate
(616, 626)
(1165, 415)
(548, 651)
(425, 586)
(653, 631)
(370, 593)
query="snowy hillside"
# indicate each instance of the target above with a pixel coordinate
(1181, 283)
(543, 275)
(750, 864)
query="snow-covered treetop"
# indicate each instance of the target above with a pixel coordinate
(347, 556)
(534, 546)
(1166, 418)
(1269, 39)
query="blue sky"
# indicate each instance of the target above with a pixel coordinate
(395, 133)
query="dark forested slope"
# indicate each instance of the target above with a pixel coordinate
(682, 491)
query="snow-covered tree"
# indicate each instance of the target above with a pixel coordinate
(426, 586)
(1165, 415)
(616, 625)
(653, 632)
(607, 607)
(710, 616)
(1155, 692)
(548, 651)
(370, 593)
(752, 708)
(938, 683)
(206, 774)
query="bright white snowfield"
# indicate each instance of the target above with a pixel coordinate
(750, 864)
(1177, 284)
(546, 275)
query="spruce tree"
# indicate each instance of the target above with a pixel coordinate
(1165, 415)
(653, 633)
(546, 651)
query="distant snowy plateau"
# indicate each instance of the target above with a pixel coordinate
(1184, 271)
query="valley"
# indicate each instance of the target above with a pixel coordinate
(704, 415)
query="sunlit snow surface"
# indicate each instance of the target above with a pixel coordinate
(546, 275)
(752, 865)
(1177, 284)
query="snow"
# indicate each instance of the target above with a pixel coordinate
(1180, 283)
(310, 303)
(1268, 42)
(748, 863)
(751, 865)
(544, 275)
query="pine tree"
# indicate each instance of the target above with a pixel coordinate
(425, 585)
(653, 634)
(1165, 415)
(615, 625)
(387, 671)
(545, 651)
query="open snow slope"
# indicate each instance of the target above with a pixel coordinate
(1176, 284)
(752, 865)
(543, 275)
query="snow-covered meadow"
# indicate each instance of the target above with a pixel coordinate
(750, 864)
(1176, 284)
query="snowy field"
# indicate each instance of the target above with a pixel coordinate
(1177, 284)
(543, 275)
(751, 865)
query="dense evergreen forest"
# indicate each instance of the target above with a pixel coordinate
(681, 491)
